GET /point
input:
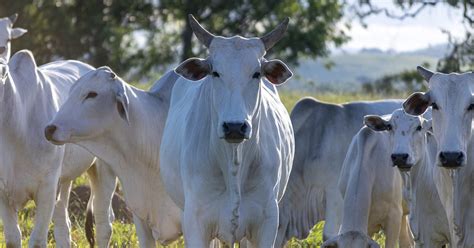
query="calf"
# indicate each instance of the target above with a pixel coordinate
(414, 149)
(373, 190)
(123, 126)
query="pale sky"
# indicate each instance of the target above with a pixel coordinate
(409, 34)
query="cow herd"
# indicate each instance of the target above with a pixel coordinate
(210, 152)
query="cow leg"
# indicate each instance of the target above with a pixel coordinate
(194, 234)
(103, 183)
(144, 233)
(45, 200)
(392, 228)
(61, 220)
(265, 234)
(406, 239)
(333, 211)
(10, 224)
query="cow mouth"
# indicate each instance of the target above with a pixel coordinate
(403, 167)
(56, 142)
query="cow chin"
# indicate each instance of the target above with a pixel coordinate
(404, 167)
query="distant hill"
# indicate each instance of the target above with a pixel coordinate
(350, 70)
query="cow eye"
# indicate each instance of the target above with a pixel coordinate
(215, 74)
(471, 107)
(434, 106)
(418, 128)
(91, 94)
(256, 75)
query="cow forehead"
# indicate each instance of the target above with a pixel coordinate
(237, 52)
(403, 120)
(452, 86)
(92, 80)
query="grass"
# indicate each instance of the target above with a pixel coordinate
(124, 235)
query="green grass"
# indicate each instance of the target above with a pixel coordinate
(124, 234)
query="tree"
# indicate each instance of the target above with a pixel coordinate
(139, 36)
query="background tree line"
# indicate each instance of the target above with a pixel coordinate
(141, 37)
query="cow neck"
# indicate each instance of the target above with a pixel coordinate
(127, 145)
(237, 164)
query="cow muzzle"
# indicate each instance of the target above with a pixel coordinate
(451, 160)
(401, 161)
(235, 132)
(49, 134)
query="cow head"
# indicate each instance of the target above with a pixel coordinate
(97, 100)
(234, 71)
(452, 102)
(352, 239)
(407, 136)
(8, 33)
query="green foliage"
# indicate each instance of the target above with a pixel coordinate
(405, 81)
(141, 36)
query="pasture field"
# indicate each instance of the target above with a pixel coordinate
(124, 234)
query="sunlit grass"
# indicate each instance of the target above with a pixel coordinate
(124, 235)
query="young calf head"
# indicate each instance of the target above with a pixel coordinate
(407, 136)
(96, 101)
(452, 102)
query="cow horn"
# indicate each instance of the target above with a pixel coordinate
(13, 18)
(425, 73)
(204, 36)
(270, 39)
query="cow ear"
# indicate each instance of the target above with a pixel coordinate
(376, 123)
(417, 103)
(18, 32)
(122, 101)
(276, 71)
(194, 69)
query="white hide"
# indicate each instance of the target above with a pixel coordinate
(372, 192)
(323, 133)
(31, 166)
(123, 126)
(227, 190)
(411, 135)
(451, 97)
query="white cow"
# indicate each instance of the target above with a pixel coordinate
(372, 189)
(413, 149)
(452, 101)
(7, 34)
(228, 143)
(323, 132)
(123, 126)
(32, 167)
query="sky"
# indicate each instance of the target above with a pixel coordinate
(405, 35)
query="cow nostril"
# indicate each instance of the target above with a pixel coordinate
(404, 156)
(225, 127)
(49, 131)
(243, 128)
